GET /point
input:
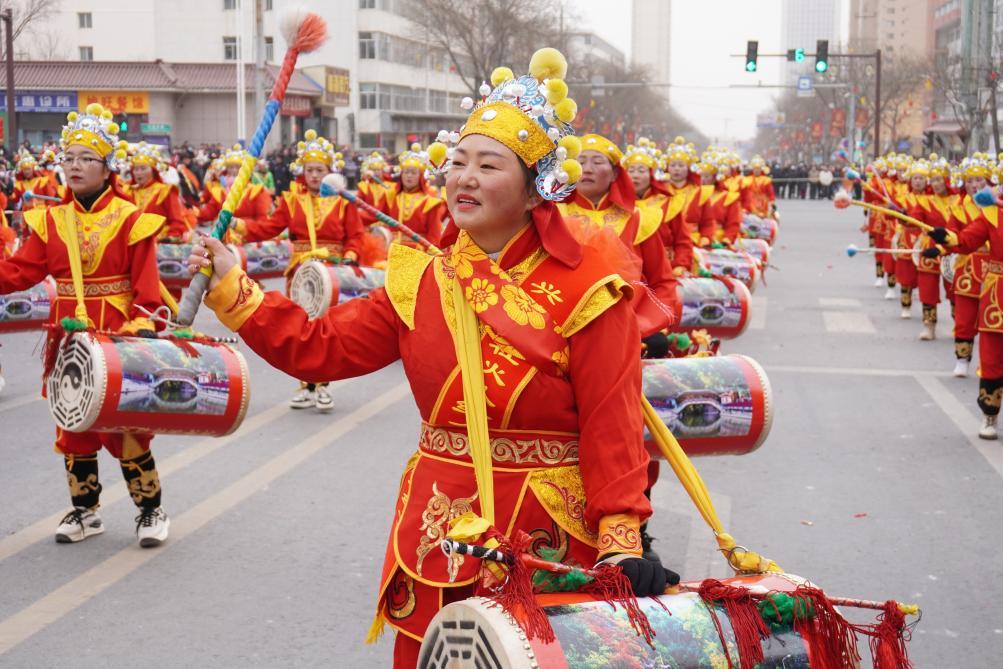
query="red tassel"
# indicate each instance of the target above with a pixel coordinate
(830, 638)
(610, 584)
(311, 34)
(516, 595)
(888, 643)
(749, 627)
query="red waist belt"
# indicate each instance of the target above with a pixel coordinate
(509, 448)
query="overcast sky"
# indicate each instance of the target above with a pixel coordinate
(704, 35)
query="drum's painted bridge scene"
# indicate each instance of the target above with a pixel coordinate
(870, 480)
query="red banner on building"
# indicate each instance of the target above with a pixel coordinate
(837, 125)
(816, 130)
(861, 117)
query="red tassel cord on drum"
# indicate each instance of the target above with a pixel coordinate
(888, 640)
(742, 609)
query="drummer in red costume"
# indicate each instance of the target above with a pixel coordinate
(681, 209)
(29, 178)
(981, 231)
(99, 240)
(325, 228)
(375, 186)
(910, 200)
(881, 227)
(543, 351)
(757, 190)
(936, 209)
(152, 195)
(255, 204)
(412, 203)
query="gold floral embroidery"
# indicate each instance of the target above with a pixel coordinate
(553, 541)
(561, 492)
(462, 256)
(439, 512)
(990, 399)
(400, 597)
(521, 308)
(95, 288)
(481, 295)
(534, 451)
(548, 290)
(144, 486)
(963, 349)
(619, 533)
(80, 488)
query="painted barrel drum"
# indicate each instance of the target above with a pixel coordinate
(105, 383)
(589, 633)
(757, 248)
(318, 286)
(733, 264)
(715, 405)
(719, 306)
(27, 309)
(268, 260)
(172, 263)
(756, 227)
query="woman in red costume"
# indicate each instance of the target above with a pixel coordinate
(255, 205)
(936, 209)
(152, 195)
(413, 203)
(542, 375)
(681, 209)
(98, 239)
(326, 228)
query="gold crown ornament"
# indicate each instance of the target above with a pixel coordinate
(710, 161)
(374, 162)
(919, 168)
(93, 128)
(234, 155)
(26, 161)
(531, 115)
(939, 167)
(680, 150)
(413, 157)
(315, 149)
(977, 165)
(147, 154)
(643, 153)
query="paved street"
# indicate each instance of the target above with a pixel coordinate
(872, 483)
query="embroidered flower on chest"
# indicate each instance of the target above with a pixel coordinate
(481, 295)
(521, 308)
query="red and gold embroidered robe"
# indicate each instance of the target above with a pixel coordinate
(757, 194)
(164, 200)
(566, 430)
(254, 205)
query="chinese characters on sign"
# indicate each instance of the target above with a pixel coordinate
(119, 102)
(42, 101)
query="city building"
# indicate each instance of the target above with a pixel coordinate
(651, 25)
(590, 47)
(380, 83)
(897, 27)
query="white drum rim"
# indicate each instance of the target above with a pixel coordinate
(501, 629)
(768, 409)
(100, 369)
(320, 304)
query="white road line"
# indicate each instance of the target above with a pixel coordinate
(111, 493)
(964, 420)
(839, 303)
(50, 608)
(847, 322)
(854, 371)
(757, 320)
(19, 402)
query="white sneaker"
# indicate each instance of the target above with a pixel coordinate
(891, 293)
(152, 526)
(961, 367)
(302, 400)
(929, 332)
(324, 401)
(878, 282)
(988, 430)
(79, 524)
(906, 313)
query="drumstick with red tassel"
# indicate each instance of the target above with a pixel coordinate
(304, 32)
(842, 200)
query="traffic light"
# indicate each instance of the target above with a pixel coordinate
(751, 55)
(822, 55)
(795, 55)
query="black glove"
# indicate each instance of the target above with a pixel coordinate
(932, 252)
(146, 334)
(938, 235)
(655, 346)
(647, 577)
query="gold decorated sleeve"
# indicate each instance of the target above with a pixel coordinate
(145, 226)
(619, 533)
(235, 298)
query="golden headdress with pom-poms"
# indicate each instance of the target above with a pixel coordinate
(643, 153)
(939, 166)
(234, 155)
(147, 154)
(531, 115)
(918, 168)
(92, 128)
(679, 150)
(413, 157)
(977, 165)
(315, 149)
(25, 160)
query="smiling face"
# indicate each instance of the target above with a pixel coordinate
(598, 175)
(85, 170)
(313, 174)
(410, 177)
(142, 174)
(640, 175)
(488, 191)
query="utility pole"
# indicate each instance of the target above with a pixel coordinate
(259, 57)
(11, 129)
(877, 103)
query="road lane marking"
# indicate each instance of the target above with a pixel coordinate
(50, 608)
(839, 303)
(45, 528)
(964, 420)
(854, 371)
(847, 322)
(757, 320)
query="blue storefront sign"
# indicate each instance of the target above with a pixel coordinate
(42, 101)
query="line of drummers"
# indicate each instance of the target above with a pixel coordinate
(702, 228)
(933, 227)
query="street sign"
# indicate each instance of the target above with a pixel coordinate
(155, 128)
(805, 87)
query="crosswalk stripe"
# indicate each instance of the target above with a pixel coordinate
(50, 608)
(839, 303)
(847, 322)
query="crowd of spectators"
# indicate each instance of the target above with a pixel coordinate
(801, 181)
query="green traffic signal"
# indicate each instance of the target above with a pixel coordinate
(798, 55)
(750, 66)
(822, 55)
(821, 66)
(751, 55)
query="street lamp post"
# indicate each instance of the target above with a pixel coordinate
(8, 20)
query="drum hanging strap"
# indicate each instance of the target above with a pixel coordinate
(76, 268)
